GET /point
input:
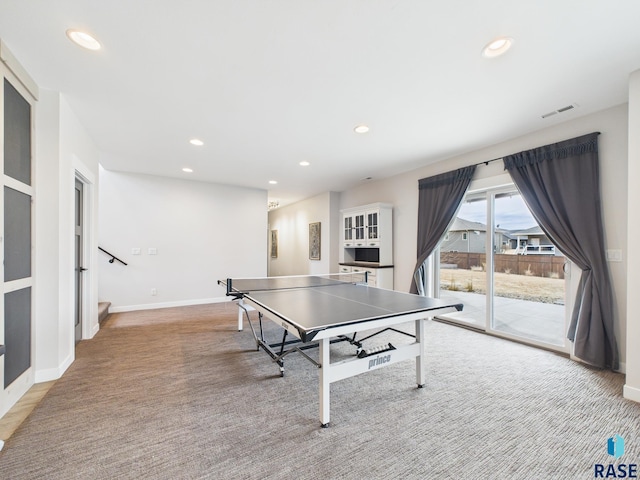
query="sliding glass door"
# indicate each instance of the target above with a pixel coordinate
(496, 260)
(463, 262)
(527, 276)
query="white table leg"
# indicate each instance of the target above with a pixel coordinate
(240, 312)
(420, 373)
(325, 384)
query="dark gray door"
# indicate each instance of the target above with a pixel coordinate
(79, 256)
(16, 232)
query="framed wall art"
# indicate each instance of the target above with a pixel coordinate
(274, 243)
(314, 241)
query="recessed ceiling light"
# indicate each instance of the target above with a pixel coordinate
(304, 163)
(187, 169)
(497, 47)
(361, 129)
(273, 182)
(196, 141)
(83, 39)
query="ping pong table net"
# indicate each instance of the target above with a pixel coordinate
(239, 286)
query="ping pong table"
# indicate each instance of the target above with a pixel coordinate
(319, 310)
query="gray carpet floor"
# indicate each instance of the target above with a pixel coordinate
(181, 394)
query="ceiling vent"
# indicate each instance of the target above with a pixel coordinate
(560, 110)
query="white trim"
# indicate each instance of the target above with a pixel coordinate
(493, 182)
(178, 303)
(18, 185)
(15, 391)
(631, 393)
(20, 73)
(46, 375)
(90, 322)
(15, 285)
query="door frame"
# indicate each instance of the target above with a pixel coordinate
(10, 395)
(79, 287)
(490, 270)
(489, 187)
(89, 313)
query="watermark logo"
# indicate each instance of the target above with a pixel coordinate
(615, 446)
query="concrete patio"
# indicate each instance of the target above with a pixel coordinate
(542, 322)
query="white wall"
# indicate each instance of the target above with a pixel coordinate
(62, 148)
(402, 192)
(203, 232)
(632, 386)
(46, 233)
(292, 223)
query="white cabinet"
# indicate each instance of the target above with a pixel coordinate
(373, 228)
(367, 243)
(367, 226)
(376, 277)
(354, 232)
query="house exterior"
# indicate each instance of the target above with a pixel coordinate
(465, 236)
(471, 237)
(531, 241)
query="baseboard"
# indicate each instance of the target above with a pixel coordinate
(95, 329)
(631, 393)
(179, 303)
(49, 374)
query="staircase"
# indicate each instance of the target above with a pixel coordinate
(103, 310)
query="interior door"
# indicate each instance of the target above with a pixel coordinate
(79, 258)
(16, 228)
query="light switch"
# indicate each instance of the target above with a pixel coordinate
(152, 251)
(135, 251)
(614, 255)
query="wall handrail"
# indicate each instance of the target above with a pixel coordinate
(113, 257)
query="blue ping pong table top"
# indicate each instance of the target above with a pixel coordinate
(326, 304)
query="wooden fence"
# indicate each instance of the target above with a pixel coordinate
(536, 265)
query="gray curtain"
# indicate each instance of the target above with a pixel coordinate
(439, 199)
(561, 185)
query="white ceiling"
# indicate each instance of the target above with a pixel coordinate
(269, 83)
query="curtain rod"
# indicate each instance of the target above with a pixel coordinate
(487, 162)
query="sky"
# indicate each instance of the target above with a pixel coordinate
(511, 213)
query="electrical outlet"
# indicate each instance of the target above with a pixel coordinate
(154, 292)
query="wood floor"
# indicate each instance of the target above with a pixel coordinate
(21, 410)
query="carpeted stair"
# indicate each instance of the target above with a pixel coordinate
(103, 310)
